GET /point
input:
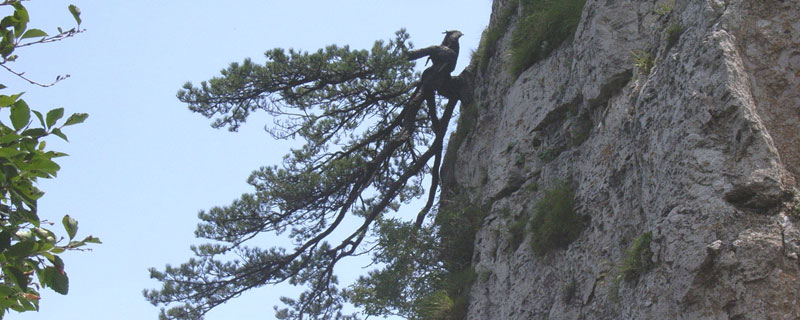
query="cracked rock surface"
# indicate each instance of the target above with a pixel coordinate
(703, 152)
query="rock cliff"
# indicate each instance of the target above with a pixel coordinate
(677, 126)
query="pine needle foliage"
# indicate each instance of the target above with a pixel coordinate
(428, 273)
(458, 220)
(368, 145)
(412, 268)
(437, 306)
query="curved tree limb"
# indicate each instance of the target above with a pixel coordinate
(345, 168)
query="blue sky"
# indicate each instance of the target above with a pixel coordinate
(142, 165)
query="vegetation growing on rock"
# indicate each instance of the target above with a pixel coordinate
(637, 258)
(555, 223)
(544, 26)
(493, 33)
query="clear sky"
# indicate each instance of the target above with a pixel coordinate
(142, 165)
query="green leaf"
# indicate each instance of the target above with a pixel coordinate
(28, 305)
(34, 33)
(6, 101)
(6, 291)
(76, 13)
(44, 247)
(7, 22)
(71, 225)
(7, 302)
(42, 145)
(16, 276)
(57, 131)
(45, 252)
(28, 194)
(9, 153)
(58, 263)
(75, 244)
(17, 307)
(45, 235)
(54, 154)
(91, 239)
(5, 240)
(2, 86)
(56, 279)
(44, 165)
(54, 115)
(20, 249)
(24, 234)
(6, 48)
(34, 133)
(20, 114)
(10, 171)
(61, 284)
(22, 18)
(9, 137)
(39, 116)
(76, 118)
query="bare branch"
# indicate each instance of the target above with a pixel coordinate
(22, 76)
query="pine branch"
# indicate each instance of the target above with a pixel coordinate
(325, 98)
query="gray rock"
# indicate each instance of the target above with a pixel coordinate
(703, 151)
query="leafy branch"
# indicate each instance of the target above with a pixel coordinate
(29, 252)
(15, 34)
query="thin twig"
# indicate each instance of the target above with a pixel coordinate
(58, 37)
(22, 75)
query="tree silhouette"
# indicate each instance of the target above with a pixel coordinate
(372, 133)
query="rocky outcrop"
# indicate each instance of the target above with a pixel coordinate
(702, 150)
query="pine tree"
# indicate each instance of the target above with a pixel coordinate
(372, 131)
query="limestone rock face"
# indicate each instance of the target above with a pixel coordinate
(702, 150)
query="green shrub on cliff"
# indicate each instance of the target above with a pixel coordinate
(554, 223)
(638, 258)
(545, 25)
(493, 33)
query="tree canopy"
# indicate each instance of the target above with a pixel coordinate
(29, 250)
(372, 131)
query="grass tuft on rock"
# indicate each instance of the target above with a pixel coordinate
(545, 25)
(638, 259)
(488, 45)
(554, 223)
(673, 32)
